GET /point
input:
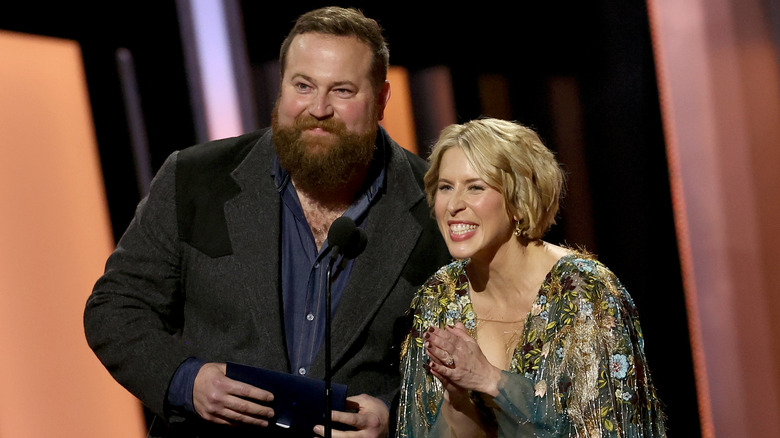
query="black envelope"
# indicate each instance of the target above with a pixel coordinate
(299, 402)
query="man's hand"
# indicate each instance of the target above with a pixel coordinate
(219, 399)
(371, 420)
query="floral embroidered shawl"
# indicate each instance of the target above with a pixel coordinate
(579, 369)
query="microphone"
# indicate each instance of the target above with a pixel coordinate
(345, 238)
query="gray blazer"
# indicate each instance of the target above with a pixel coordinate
(197, 274)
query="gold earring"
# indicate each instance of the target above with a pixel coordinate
(518, 230)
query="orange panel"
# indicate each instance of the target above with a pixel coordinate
(399, 116)
(719, 79)
(54, 240)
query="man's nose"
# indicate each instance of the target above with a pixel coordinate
(320, 106)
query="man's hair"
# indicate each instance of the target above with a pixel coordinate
(343, 22)
(512, 159)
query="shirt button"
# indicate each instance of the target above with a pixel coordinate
(302, 371)
(310, 317)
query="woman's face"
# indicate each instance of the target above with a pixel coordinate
(472, 215)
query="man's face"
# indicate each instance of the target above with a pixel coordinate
(329, 77)
(326, 117)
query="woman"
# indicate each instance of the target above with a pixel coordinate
(517, 337)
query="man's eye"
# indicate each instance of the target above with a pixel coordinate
(343, 91)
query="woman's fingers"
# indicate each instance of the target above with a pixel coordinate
(438, 347)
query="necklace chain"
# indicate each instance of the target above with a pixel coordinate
(479, 318)
(510, 344)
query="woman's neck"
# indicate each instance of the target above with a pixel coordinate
(516, 269)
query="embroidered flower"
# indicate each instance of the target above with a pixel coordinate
(536, 309)
(587, 309)
(452, 312)
(543, 299)
(587, 266)
(618, 365)
(540, 390)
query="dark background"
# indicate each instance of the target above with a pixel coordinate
(604, 46)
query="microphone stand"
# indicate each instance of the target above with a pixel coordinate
(328, 385)
(349, 241)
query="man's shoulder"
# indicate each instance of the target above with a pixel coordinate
(418, 164)
(225, 152)
(204, 183)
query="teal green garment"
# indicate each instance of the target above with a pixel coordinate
(579, 369)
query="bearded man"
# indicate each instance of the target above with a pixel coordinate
(225, 258)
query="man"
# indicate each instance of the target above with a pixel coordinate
(224, 260)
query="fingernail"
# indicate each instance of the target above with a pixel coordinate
(427, 336)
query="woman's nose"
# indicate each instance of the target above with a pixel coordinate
(456, 203)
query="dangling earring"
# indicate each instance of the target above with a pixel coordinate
(518, 230)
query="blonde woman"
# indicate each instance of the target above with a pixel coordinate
(517, 337)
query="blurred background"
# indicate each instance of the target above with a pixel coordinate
(664, 113)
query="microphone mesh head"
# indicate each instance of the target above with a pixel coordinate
(350, 240)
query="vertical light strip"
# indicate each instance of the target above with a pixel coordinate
(398, 120)
(216, 75)
(135, 119)
(433, 101)
(681, 225)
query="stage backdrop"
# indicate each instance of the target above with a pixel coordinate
(54, 240)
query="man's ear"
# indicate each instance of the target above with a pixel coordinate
(382, 99)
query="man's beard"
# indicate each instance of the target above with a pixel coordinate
(323, 164)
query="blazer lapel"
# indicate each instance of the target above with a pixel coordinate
(392, 235)
(253, 221)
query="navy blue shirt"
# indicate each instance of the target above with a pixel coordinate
(304, 271)
(303, 280)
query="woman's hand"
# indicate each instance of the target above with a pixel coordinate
(458, 362)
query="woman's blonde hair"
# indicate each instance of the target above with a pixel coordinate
(512, 159)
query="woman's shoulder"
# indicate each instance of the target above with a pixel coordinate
(450, 273)
(584, 265)
(580, 270)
